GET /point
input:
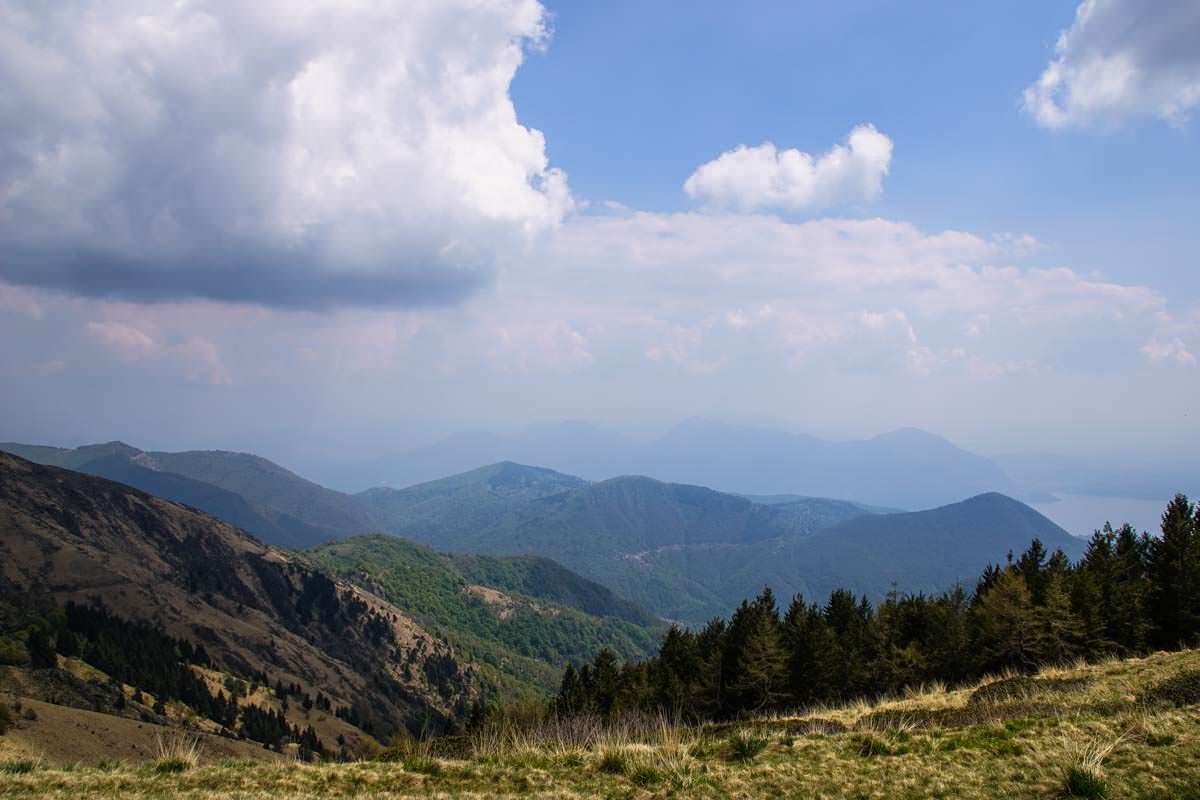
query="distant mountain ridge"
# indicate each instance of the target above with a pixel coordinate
(907, 468)
(683, 551)
(255, 494)
(690, 553)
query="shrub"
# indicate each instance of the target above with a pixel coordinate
(12, 653)
(745, 747)
(6, 719)
(1085, 783)
(1181, 689)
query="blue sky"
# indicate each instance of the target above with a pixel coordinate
(321, 227)
(632, 96)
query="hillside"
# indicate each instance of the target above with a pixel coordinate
(1114, 729)
(601, 530)
(67, 537)
(519, 620)
(919, 551)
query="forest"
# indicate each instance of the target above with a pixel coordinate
(1130, 594)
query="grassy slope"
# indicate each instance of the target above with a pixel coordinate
(936, 744)
(522, 634)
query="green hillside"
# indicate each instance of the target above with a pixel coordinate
(497, 612)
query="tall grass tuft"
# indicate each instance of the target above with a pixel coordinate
(1085, 777)
(744, 746)
(20, 766)
(177, 753)
(1082, 782)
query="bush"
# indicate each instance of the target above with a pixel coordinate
(1085, 783)
(19, 766)
(6, 719)
(1181, 689)
(12, 653)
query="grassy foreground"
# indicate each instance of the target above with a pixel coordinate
(1120, 729)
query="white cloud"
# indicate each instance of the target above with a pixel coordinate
(1121, 59)
(323, 153)
(127, 341)
(1173, 349)
(195, 357)
(747, 178)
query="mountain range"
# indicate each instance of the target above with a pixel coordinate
(682, 551)
(387, 630)
(907, 468)
(690, 553)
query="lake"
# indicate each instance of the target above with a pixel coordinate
(1082, 514)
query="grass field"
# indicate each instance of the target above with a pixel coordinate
(1120, 729)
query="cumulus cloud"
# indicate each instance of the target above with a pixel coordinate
(195, 357)
(124, 339)
(1121, 59)
(302, 155)
(748, 178)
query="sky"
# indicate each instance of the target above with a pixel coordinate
(332, 229)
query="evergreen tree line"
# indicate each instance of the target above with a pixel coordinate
(140, 655)
(271, 728)
(1130, 593)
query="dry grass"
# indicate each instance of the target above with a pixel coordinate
(1096, 740)
(177, 752)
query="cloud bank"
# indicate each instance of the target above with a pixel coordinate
(748, 178)
(1119, 60)
(298, 155)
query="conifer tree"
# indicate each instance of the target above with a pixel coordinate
(1175, 576)
(1004, 624)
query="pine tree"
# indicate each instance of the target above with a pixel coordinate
(1005, 625)
(1059, 628)
(1174, 576)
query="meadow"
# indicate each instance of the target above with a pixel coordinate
(1115, 729)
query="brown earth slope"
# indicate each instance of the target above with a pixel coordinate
(65, 536)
